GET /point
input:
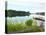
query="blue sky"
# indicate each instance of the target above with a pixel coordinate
(26, 5)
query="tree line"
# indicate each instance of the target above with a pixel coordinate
(13, 13)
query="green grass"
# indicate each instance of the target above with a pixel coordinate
(13, 27)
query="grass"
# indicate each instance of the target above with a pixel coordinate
(13, 27)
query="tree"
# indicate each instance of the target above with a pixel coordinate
(13, 13)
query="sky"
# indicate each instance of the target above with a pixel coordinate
(26, 5)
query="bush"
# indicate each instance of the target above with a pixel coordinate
(29, 22)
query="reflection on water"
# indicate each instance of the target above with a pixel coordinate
(18, 18)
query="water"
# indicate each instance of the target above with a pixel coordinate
(19, 18)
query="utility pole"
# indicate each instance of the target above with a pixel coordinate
(5, 17)
(5, 5)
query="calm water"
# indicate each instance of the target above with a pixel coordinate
(19, 18)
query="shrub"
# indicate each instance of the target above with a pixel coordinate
(29, 22)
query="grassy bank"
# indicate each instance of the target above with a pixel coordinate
(29, 26)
